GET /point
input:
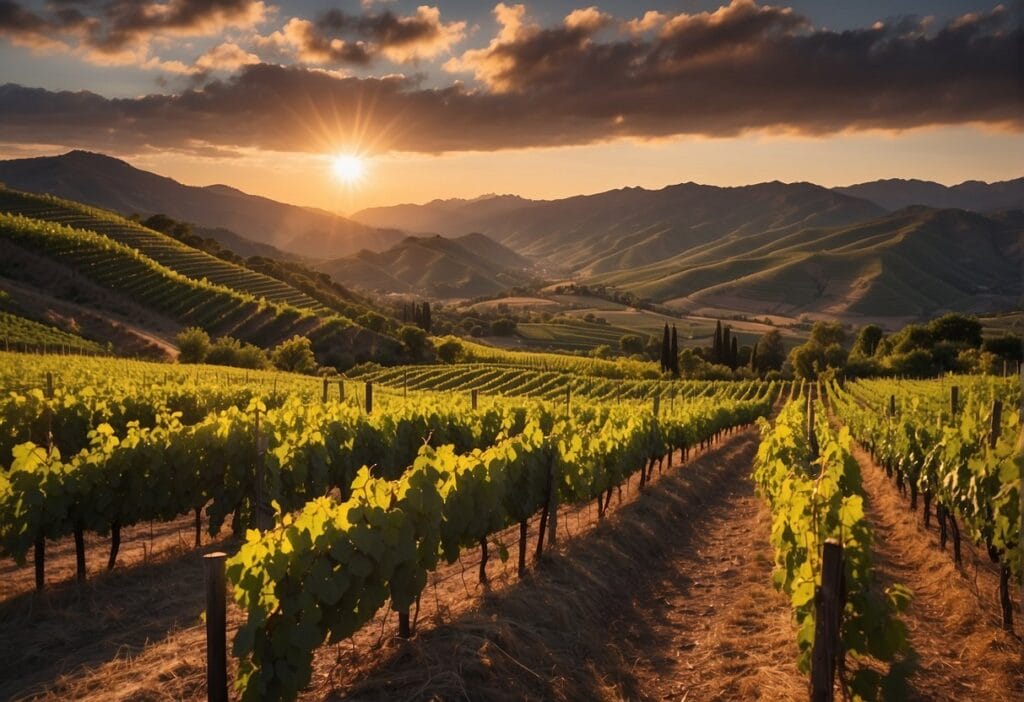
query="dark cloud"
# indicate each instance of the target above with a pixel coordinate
(742, 67)
(122, 26)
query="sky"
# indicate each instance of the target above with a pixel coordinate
(542, 99)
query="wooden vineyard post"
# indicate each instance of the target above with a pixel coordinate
(324, 398)
(568, 398)
(997, 419)
(216, 628)
(39, 553)
(261, 448)
(341, 390)
(892, 405)
(1004, 570)
(369, 397)
(657, 404)
(954, 400)
(828, 608)
(473, 398)
(405, 385)
(812, 438)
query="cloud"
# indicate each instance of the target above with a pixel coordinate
(226, 57)
(337, 37)
(120, 32)
(742, 67)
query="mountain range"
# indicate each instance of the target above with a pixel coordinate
(887, 247)
(112, 184)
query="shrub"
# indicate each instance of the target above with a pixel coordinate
(295, 355)
(193, 345)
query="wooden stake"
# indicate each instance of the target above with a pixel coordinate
(828, 610)
(369, 397)
(216, 628)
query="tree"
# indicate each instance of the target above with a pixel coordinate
(734, 353)
(1006, 346)
(726, 350)
(506, 326)
(716, 345)
(294, 355)
(413, 339)
(956, 328)
(224, 351)
(753, 358)
(373, 321)
(913, 337)
(673, 355)
(867, 341)
(425, 319)
(250, 356)
(807, 360)
(193, 345)
(771, 353)
(666, 349)
(827, 333)
(449, 351)
(631, 343)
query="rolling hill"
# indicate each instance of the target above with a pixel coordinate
(466, 266)
(70, 259)
(975, 195)
(112, 184)
(912, 263)
(631, 227)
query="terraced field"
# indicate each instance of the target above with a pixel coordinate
(160, 247)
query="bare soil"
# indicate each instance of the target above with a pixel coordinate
(597, 621)
(959, 650)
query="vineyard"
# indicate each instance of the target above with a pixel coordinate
(351, 507)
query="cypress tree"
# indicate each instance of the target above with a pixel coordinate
(724, 348)
(426, 317)
(753, 358)
(734, 353)
(665, 350)
(674, 352)
(716, 345)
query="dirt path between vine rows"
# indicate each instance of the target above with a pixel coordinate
(670, 598)
(959, 650)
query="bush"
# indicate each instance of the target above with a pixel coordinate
(450, 351)
(631, 343)
(503, 327)
(413, 339)
(193, 345)
(295, 355)
(224, 351)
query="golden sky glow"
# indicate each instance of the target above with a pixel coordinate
(948, 155)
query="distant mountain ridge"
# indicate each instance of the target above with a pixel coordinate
(113, 184)
(631, 227)
(973, 195)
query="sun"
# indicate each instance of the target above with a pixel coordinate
(348, 168)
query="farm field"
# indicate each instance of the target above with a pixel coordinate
(480, 606)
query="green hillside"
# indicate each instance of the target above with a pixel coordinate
(467, 266)
(134, 276)
(20, 334)
(161, 248)
(912, 263)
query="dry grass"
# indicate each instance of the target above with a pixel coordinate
(134, 634)
(670, 598)
(959, 650)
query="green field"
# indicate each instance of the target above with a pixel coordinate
(18, 333)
